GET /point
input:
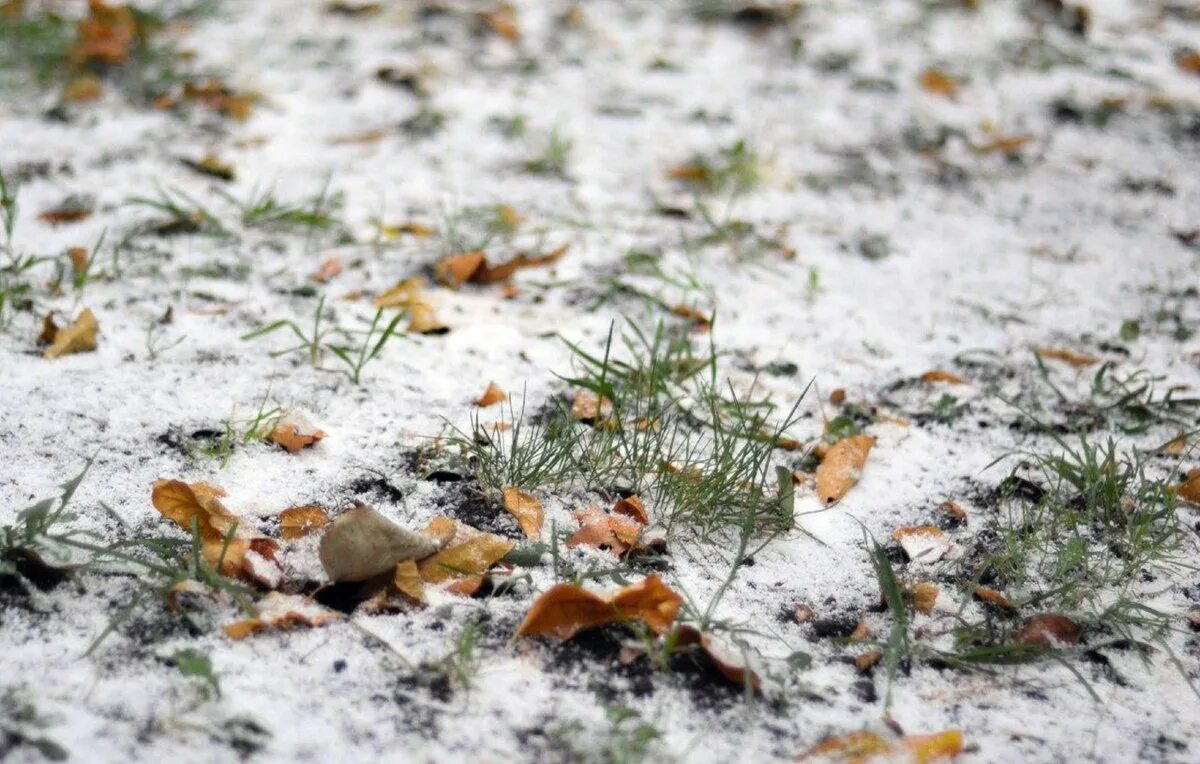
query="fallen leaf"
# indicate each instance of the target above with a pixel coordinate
(491, 274)
(922, 543)
(1188, 61)
(1189, 489)
(632, 506)
(566, 609)
(466, 557)
(79, 337)
(422, 320)
(1176, 446)
(868, 660)
(924, 596)
(404, 295)
(330, 268)
(526, 509)
(1048, 630)
(49, 330)
(104, 36)
(989, 596)
(491, 396)
(588, 407)
(407, 580)
(838, 396)
(295, 432)
(937, 375)
(297, 522)
(84, 88)
(456, 270)
(211, 166)
(954, 509)
(866, 745)
(732, 667)
(502, 20)
(412, 229)
(1066, 355)
(1002, 144)
(938, 82)
(361, 543)
(79, 260)
(282, 611)
(700, 319)
(68, 213)
(841, 466)
(220, 98)
(601, 530)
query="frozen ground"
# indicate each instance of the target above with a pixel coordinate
(1049, 201)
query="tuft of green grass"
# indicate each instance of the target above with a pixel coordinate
(180, 214)
(1131, 403)
(192, 663)
(551, 155)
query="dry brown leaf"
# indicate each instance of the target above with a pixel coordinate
(526, 509)
(922, 543)
(938, 375)
(1002, 144)
(1176, 446)
(954, 509)
(632, 506)
(421, 320)
(456, 270)
(1188, 61)
(467, 556)
(105, 36)
(838, 396)
(601, 530)
(407, 580)
(1067, 356)
(938, 82)
(989, 596)
(294, 432)
(502, 20)
(866, 745)
(841, 466)
(361, 543)
(924, 596)
(491, 396)
(83, 88)
(79, 337)
(330, 268)
(491, 274)
(690, 173)
(404, 295)
(1189, 489)
(282, 611)
(566, 609)
(700, 319)
(868, 660)
(588, 407)
(732, 667)
(220, 98)
(1048, 630)
(49, 330)
(297, 522)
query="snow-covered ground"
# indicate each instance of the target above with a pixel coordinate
(1046, 202)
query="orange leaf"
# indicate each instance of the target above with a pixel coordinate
(105, 35)
(588, 407)
(491, 396)
(490, 274)
(1070, 357)
(282, 611)
(330, 268)
(989, 596)
(938, 82)
(467, 556)
(456, 270)
(600, 530)
(79, 337)
(954, 509)
(632, 506)
(840, 468)
(1048, 630)
(296, 522)
(924, 596)
(729, 666)
(937, 375)
(1189, 489)
(865, 745)
(407, 580)
(1188, 61)
(294, 432)
(526, 509)
(566, 609)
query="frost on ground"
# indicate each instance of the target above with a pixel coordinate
(960, 237)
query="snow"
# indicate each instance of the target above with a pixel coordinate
(1049, 250)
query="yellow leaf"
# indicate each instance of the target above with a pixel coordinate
(296, 522)
(79, 337)
(491, 396)
(407, 580)
(840, 468)
(526, 509)
(938, 82)
(464, 560)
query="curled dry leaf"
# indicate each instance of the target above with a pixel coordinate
(105, 35)
(294, 432)
(362, 543)
(526, 509)
(456, 270)
(589, 407)
(1048, 630)
(468, 554)
(566, 609)
(924, 596)
(938, 82)
(938, 375)
(922, 543)
(491, 396)
(732, 667)
(404, 295)
(989, 596)
(1189, 489)
(954, 510)
(700, 320)
(330, 268)
(79, 337)
(601, 530)
(868, 660)
(841, 466)
(406, 579)
(632, 506)
(67, 213)
(224, 542)
(297, 522)
(1071, 357)
(866, 745)
(282, 611)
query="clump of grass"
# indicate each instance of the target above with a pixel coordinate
(181, 214)
(734, 169)
(355, 352)
(33, 47)
(551, 155)
(237, 432)
(702, 456)
(1131, 403)
(37, 549)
